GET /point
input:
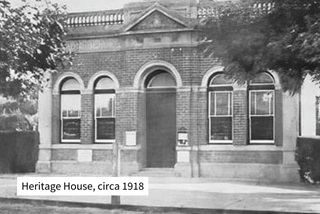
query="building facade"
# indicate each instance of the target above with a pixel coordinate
(140, 81)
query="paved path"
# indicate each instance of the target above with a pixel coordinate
(202, 193)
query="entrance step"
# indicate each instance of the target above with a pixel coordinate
(156, 172)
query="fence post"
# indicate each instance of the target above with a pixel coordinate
(115, 199)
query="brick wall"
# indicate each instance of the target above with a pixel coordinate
(126, 114)
(263, 157)
(192, 101)
(183, 110)
(202, 120)
(87, 115)
(125, 64)
(240, 117)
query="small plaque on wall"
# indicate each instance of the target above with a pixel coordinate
(131, 138)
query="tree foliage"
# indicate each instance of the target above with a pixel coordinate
(284, 37)
(32, 42)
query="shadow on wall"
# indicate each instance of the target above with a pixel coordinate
(18, 151)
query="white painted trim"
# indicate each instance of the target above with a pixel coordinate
(104, 141)
(220, 142)
(183, 148)
(70, 141)
(123, 147)
(103, 73)
(150, 67)
(309, 91)
(56, 88)
(262, 141)
(276, 78)
(209, 73)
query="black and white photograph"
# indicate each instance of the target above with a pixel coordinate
(159, 106)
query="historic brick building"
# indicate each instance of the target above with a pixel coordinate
(139, 80)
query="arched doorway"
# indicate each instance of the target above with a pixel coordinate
(160, 89)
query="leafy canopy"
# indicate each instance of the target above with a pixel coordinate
(32, 42)
(283, 36)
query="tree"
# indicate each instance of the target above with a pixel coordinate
(32, 42)
(250, 37)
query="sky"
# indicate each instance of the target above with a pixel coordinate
(83, 5)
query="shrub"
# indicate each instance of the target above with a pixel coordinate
(308, 158)
(14, 122)
(18, 115)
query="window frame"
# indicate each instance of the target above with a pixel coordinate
(106, 91)
(262, 87)
(62, 118)
(220, 88)
(230, 108)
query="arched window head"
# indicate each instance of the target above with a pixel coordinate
(70, 84)
(263, 78)
(104, 83)
(160, 79)
(220, 79)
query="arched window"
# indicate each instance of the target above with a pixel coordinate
(261, 112)
(104, 102)
(70, 111)
(160, 79)
(220, 109)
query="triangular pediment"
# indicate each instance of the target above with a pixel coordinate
(157, 18)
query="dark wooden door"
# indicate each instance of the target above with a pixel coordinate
(161, 128)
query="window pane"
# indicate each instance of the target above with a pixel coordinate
(104, 104)
(221, 128)
(223, 104)
(70, 84)
(105, 128)
(71, 129)
(70, 105)
(162, 80)
(221, 79)
(262, 103)
(261, 128)
(262, 79)
(212, 103)
(105, 83)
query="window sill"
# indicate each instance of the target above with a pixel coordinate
(70, 142)
(104, 141)
(264, 142)
(82, 146)
(221, 142)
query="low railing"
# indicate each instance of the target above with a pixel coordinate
(214, 11)
(95, 19)
(116, 17)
